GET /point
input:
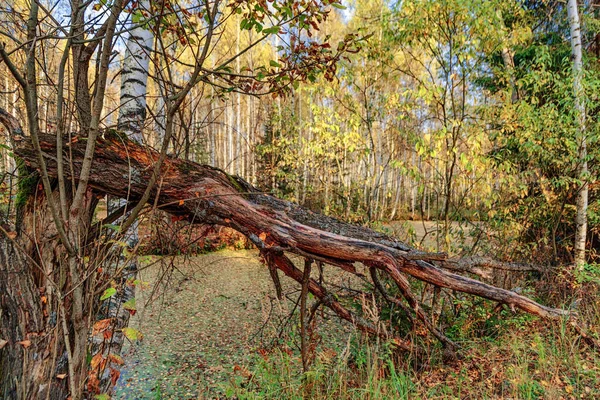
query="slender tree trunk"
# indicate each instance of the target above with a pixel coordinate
(509, 64)
(579, 94)
(132, 115)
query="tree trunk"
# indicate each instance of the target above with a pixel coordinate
(579, 94)
(32, 321)
(30, 360)
(36, 301)
(203, 194)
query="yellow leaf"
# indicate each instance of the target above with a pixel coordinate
(116, 359)
(96, 361)
(569, 389)
(132, 334)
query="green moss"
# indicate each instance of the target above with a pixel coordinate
(28, 180)
(115, 134)
(235, 183)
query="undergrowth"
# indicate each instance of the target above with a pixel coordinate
(506, 356)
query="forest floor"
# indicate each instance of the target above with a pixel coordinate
(211, 326)
(203, 324)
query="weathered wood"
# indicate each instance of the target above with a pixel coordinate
(204, 194)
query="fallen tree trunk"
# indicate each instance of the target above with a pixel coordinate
(204, 194)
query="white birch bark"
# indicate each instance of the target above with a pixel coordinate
(134, 79)
(132, 115)
(579, 95)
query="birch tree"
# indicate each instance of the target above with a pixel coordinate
(131, 120)
(579, 96)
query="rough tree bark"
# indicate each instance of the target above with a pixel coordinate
(34, 361)
(203, 194)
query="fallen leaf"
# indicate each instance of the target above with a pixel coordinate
(3, 343)
(25, 343)
(61, 376)
(569, 389)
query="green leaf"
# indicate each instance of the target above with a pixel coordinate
(338, 6)
(110, 292)
(275, 64)
(132, 334)
(114, 227)
(102, 396)
(129, 304)
(271, 30)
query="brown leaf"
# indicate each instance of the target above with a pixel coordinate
(114, 376)
(93, 384)
(97, 362)
(61, 376)
(243, 371)
(25, 343)
(116, 359)
(3, 343)
(101, 326)
(107, 334)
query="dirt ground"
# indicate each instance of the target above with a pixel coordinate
(217, 311)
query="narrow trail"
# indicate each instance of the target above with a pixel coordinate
(204, 327)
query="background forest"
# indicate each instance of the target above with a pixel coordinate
(451, 111)
(467, 129)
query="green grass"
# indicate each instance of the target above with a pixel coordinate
(526, 359)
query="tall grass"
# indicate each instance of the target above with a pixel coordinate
(525, 358)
